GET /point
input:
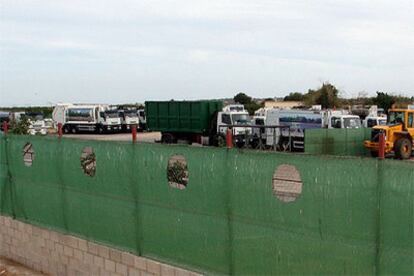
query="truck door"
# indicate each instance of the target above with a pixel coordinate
(223, 119)
(410, 123)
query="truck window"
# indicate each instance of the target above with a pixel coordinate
(336, 122)
(410, 120)
(371, 123)
(225, 118)
(396, 117)
(260, 122)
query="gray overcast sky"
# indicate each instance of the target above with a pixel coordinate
(130, 51)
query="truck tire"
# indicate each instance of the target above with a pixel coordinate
(66, 129)
(167, 138)
(73, 130)
(403, 148)
(374, 153)
(100, 130)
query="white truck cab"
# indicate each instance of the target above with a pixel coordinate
(129, 117)
(237, 116)
(374, 121)
(344, 121)
(234, 115)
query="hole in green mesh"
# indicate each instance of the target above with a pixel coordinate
(88, 161)
(28, 154)
(177, 172)
(287, 183)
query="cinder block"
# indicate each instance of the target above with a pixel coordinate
(7, 221)
(103, 251)
(46, 234)
(140, 263)
(127, 259)
(36, 231)
(154, 267)
(28, 229)
(59, 248)
(83, 245)
(87, 258)
(21, 227)
(133, 272)
(115, 255)
(121, 268)
(167, 270)
(71, 241)
(181, 272)
(110, 265)
(54, 236)
(68, 251)
(98, 261)
(77, 254)
(92, 248)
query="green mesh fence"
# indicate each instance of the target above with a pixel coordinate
(353, 215)
(337, 141)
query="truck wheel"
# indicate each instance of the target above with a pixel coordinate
(374, 153)
(403, 148)
(66, 129)
(167, 138)
(100, 130)
(74, 130)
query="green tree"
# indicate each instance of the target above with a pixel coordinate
(20, 127)
(242, 98)
(250, 105)
(326, 96)
(294, 96)
(384, 100)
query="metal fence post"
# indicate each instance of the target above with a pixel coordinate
(229, 138)
(5, 127)
(60, 131)
(134, 133)
(381, 146)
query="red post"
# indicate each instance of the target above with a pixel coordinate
(134, 133)
(229, 138)
(60, 131)
(5, 127)
(381, 146)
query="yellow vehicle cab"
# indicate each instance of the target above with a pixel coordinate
(399, 134)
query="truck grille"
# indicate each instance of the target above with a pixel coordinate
(375, 135)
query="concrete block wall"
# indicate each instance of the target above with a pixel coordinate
(58, 254)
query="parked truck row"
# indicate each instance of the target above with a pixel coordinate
(206, 122)
(98, 118)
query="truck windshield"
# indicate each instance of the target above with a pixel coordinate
(396, 117)
(111, 114)
(352, 123)
(130, 113)
(240, 119)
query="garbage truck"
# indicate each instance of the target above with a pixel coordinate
(204, 122)
(86, 118)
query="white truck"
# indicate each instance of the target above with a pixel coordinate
(237, 116)
(297, 121)
(86, 118)
(129, 117)
(374, 119)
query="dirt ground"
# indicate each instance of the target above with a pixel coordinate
(149, 137)
(10, 268)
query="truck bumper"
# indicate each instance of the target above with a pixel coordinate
(374, 146)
